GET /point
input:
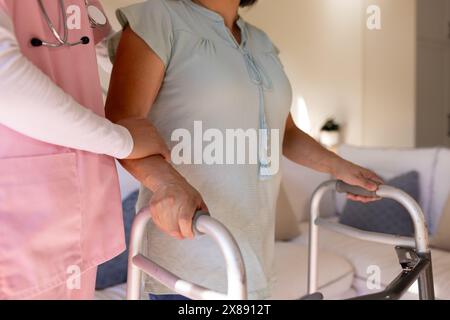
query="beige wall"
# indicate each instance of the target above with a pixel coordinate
(365, 79)
(320, 44)
(110, 7)
(389, 82)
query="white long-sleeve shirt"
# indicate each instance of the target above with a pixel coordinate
(62, 121)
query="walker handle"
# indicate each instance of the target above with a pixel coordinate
(202, 223)
(343, 187)
(197, 216)
(420, 241)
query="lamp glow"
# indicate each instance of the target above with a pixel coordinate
(300, 115)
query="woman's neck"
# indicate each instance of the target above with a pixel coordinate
(228, 9)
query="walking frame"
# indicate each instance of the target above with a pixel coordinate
(203, 224)
(413, 253)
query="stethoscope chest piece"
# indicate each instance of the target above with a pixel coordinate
(97, 19)
(96, 16)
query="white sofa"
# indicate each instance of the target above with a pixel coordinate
(343, 261)
(433, 166)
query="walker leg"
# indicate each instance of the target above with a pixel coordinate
(426, 285)
(136, 238)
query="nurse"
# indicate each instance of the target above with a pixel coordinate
(60, 210)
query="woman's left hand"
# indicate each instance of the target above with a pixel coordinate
(357, 176)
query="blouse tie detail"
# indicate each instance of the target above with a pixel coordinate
(262, 81)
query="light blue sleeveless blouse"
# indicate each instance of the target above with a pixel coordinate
(226, 85)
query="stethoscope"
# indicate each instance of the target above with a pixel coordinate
(96, 19)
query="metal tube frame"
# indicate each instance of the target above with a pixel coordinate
(421, 270)
(203, 224)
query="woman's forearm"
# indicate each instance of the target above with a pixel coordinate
(153, 171)
(301, 148)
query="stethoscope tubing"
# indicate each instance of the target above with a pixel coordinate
(62, 41)
(50, 23)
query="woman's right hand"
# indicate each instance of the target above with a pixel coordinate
(173, 206)
(147, 141)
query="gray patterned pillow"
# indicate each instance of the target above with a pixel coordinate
(385, 216)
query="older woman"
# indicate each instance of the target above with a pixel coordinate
(195, 63)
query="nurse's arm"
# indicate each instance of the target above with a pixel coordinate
(31, 104)
(135, 83)
(301, 148)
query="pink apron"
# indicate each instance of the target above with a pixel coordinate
(60, 209)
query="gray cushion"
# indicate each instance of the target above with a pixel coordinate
(385, 216)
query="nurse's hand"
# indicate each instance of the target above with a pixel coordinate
(173, 206)
(147, 141)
